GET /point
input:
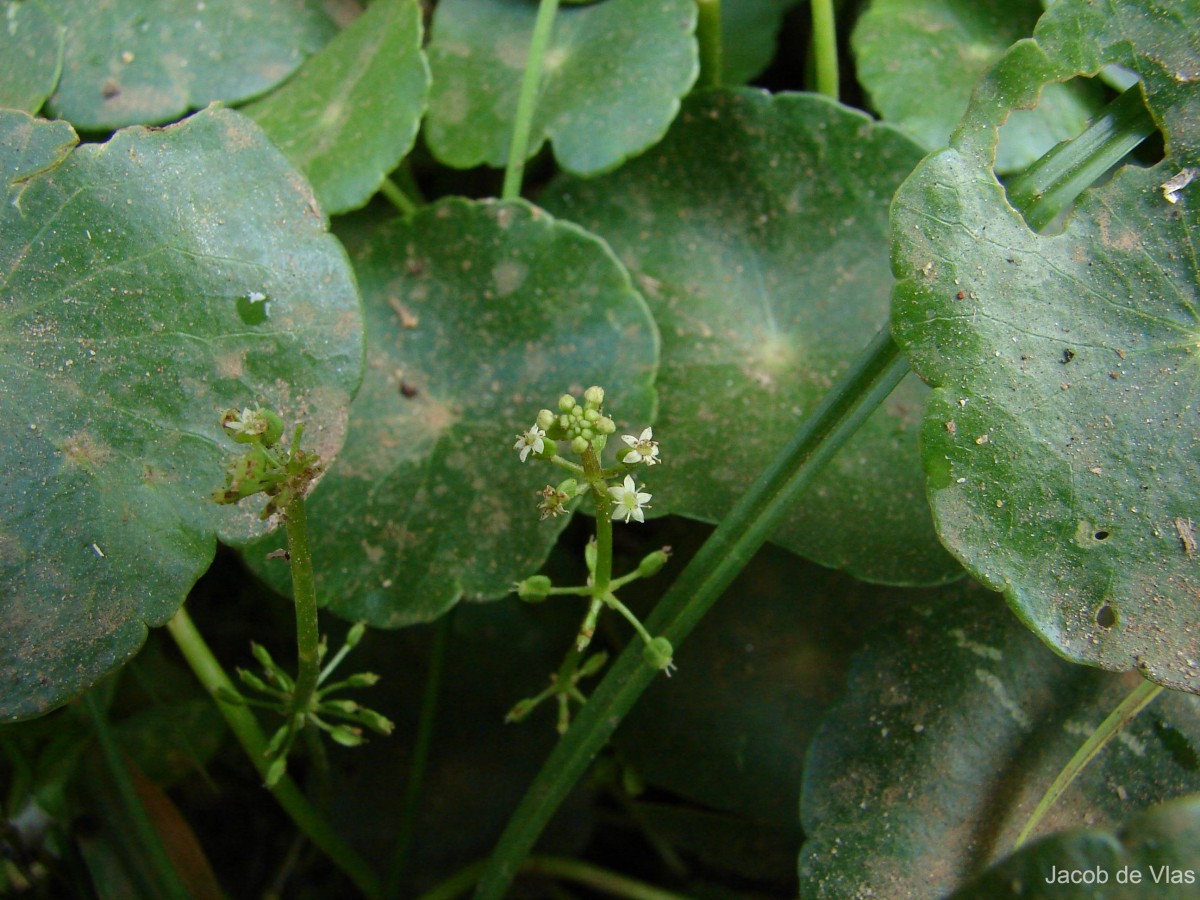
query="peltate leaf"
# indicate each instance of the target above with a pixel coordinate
(613, 76)
(149, 61)
(1153, 855)
(125, 270)
(31, 53)
(351, 113)
(1061, 444)
(478, 315)
(756, 232)
(919, 61)
(955, 722)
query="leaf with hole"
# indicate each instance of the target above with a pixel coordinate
(613, 75)
(919, 61)
(1061, 443)
(478, 315)
(756, 232)
(124, 280)
(351, 112)
(955, 721)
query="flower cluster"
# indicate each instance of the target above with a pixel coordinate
(586, 429)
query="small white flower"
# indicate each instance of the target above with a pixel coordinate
(530, 441)
(629, 501)
(643, 449)
(237, 422)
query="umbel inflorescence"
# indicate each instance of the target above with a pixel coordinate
(584, 429)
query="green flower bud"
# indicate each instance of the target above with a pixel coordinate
(589, 555)
(252, 681)
(355, 634)
(566, 403)
(346, 735)
(275, 771)
(377, 723)
(345, 707)
(545, 419)
(594, 664)
(232, 697)
(277, 740)
(591, 415)
(652, 563)
(605, 425)
(659, 653)
(579, 445)
(264, 658)
(594, 396)
(362, 680)
(520, 710)
(534, 589)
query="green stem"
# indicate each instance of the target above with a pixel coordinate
(609, 882)
(611, 600)
(514, 171)
(1138, 700)
(405, 204)
(600, 502)
(308, 637)
(708, 36)
(394, 886)
(1052, 183)
(824, 44)
(245, 728)
(163, 877)
(744, 530)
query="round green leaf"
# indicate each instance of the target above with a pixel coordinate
(919, 61)
(1061, 443)
(955, 722)
(613, 76)
(1153, 855)
(147, 61)
(31, 54)
(478, 315)
(757, 233)
(122, 268)
(351, 113)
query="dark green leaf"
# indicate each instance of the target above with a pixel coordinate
(478, 314)
(955, 722)
(1153, 855)
(121, 268)
(613, 76)
(749, 29)
(1061, 443)
(148, 61)
(756, 231)
(919, 61)
(351, 113)
(31, 52)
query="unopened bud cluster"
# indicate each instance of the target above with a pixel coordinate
(276, 691)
